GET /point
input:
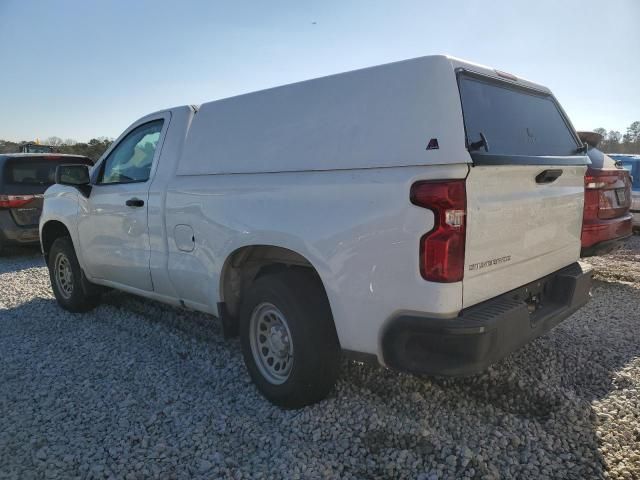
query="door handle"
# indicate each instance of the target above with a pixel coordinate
(548, 176)
(134, 202)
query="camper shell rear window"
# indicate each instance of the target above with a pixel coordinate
(508, 123)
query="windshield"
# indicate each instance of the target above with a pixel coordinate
(513, 120)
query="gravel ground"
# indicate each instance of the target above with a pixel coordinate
(137, 389)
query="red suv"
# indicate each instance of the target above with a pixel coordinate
(607, 200)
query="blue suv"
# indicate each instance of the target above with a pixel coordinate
(632, 163)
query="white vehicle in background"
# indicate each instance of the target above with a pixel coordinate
(424, 215)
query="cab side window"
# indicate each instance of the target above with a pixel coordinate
(131, 160)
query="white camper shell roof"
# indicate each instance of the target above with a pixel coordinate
(383, 116)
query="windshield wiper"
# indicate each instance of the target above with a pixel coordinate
(480, 143)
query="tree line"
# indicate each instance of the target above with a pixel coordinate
(93, 149)
(612, 142)
(616, 142)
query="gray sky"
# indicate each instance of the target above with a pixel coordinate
(80, 69)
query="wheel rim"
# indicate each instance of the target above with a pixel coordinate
(63, 275)
(271, 343)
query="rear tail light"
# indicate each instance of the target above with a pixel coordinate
(15, 201)
(607, 196)
(442, 249)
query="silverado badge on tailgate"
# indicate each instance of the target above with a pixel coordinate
(488, 263)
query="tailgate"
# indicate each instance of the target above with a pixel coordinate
(525, 191)
(517, 229)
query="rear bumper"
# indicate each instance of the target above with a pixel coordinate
(605, 247)
(12, 234)
(486, 332)
(599, 237)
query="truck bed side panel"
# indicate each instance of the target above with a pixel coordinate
(357, 228)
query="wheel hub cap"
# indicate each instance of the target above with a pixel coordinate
(271, 343)
(63, 275)
(279, 341)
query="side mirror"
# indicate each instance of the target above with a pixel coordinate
(75, 175)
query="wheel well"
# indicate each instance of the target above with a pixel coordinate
(51, 231)
(248, 263)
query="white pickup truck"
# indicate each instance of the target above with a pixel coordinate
(424, 215)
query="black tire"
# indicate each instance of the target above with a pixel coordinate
(299, 296)
(75, 293)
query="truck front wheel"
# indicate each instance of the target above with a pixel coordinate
(70, 287)
(288, 338)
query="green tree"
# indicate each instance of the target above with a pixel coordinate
(631, 139)
(601, 131)
(611, 142)
(53, 141)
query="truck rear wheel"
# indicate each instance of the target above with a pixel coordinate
(288, 338)
(70, 287)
